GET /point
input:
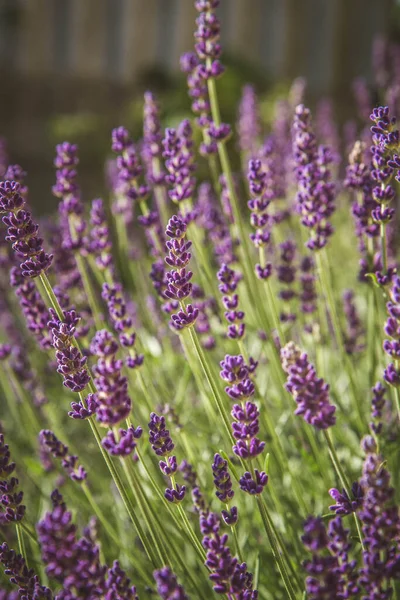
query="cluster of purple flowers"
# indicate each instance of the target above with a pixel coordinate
(359, 179)
(179, 162)
(75, 562)
(152, 141)
(22, 232)
(178, 279)
(202, 66)
(71, 363)
(249, 122)
(122, 322)
(385, 163)
(378, 404)
(316, 193)
(11, 508)
(57, 449)
(211, 218)
(168, 587)
(225, 493)
(353, 336)
(308, 294)
(330, 574)
(67, 189)
(380, 519)
(392, 330)
(19, 574)
(99, 243)
(259, 218)
(245, 426)
(228, 283)
(310, 392)
(286, 273)
(162, 444)
(32, 306)
(129, 186)
(227, 574)
(113, 403)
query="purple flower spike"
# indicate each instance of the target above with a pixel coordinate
(152, 141)
(71, 363)
(258, 205)
(122, 322)
(253, 486)
(112, 400)
(179, 163)
(344, 505)
(333, 575)
(22, 232)
(19, 574)
(227, 575)
(128, 185)
(316, 193)
(118, 585)
(230, 517)
(380, 520)
(176, 285)
(222, 479)
(229, 280)
(310, 392)
(11, 508)
(125, 445)
(175, 495)
(168, 587)
(159, 436)
(392, 330)
(249, 122)
(79, 411)
(58, 450)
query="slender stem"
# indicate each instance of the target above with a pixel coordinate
(143, 507)
(236, 539)
(27, 529)
(21, 542)
(383, 245)
(88, 287)
(210, 380)
(342, 477)
(275, 551)
(271, 301)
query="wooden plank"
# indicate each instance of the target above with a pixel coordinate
(88, 37)
(319, 45)
(244, 31)
(270, 36)
(293, 36)
(184, 25)
(138, 37)
(35, 37)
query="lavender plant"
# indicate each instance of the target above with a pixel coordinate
(242, 310)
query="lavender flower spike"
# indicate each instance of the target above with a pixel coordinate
(11, 508)
(310, 393)
(69, 462)
(162, 444)
(22, 232)
(168, 586)
(179, 286)
(15, 568)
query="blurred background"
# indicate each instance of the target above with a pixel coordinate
(73, 69)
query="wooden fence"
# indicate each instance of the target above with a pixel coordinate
(328, 41)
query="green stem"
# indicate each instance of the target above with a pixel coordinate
(210, 380)
(342, 477)
(88, 287)
(275, 551)
(383, 245)
(21, 542)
